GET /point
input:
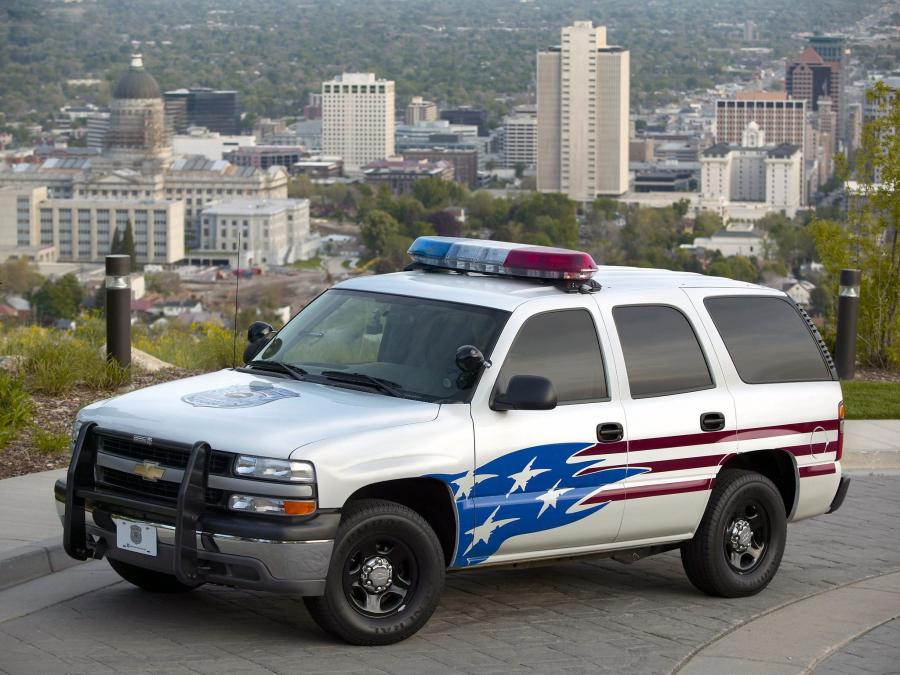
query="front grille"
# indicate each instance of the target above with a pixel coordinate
(160, 491)
(166, 454)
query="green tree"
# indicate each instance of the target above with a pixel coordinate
(128, 246)
(868, 240)
(19, 277)
(59, 299)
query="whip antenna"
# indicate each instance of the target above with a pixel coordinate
(237, 288)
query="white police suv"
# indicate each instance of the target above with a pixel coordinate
(495, 403)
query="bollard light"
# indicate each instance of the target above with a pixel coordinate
(847, 318)
(118, 309)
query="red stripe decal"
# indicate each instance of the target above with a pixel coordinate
(665, 464)
(663, 442)
(639, 491)
(817, 470)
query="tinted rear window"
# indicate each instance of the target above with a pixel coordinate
(662, 354)
(768, 340)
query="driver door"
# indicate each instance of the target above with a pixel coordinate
(544, 480)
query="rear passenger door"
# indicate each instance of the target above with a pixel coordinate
(782, 380)
(536, 471)
(680, 415)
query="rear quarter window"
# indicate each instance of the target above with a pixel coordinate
(767, 339)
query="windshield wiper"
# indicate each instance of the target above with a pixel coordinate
(386, 386)
(295, 372)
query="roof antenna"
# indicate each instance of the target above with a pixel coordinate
(237, 288)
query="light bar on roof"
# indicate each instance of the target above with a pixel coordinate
(500, 257)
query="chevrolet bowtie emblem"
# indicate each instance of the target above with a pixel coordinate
(149, 471)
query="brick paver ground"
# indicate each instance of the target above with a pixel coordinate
(875, 653)
(572, 617)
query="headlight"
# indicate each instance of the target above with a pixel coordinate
(76, 427)
(271, 505)
(285, 470)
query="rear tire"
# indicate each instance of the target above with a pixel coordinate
(149, 580)
(385, 578)
(737, 549)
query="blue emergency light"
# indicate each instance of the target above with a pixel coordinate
(500, 257)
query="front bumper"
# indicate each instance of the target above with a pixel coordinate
(194, 544)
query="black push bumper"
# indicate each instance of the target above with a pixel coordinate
(840, 494)
(195, 543)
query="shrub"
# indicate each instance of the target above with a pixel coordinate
(50, 442)
(16, 407)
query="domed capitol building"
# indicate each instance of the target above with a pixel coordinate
(67, 209)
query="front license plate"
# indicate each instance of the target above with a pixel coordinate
(137, 537)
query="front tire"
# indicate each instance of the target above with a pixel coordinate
(385, 578)
(149, 580)
(737, 549)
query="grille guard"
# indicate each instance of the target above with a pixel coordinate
(80, 487)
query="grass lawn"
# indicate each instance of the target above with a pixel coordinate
(871, 400)
(311, 264)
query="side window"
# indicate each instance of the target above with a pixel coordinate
(767, 339)
(563, 347)
(662, 354)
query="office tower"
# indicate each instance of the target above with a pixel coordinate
(833, 50)
(202, 107)
(520, 137)
(783, 120)
(466, 115)
(420, 110)
(358, 119)
(583, 115)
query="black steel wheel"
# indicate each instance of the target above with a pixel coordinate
(737, 548)
(385, 578)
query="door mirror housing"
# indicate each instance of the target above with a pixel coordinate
(258, 330)
(258, 335)
(526, 392)
(469, 359)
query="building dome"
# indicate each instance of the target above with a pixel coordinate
(136, 83)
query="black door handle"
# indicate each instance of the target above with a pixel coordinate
(610, 432)
(712, 421)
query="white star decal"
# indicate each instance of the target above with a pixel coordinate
(548, 499)
(520, 480)
(469, 481)
(483, 532)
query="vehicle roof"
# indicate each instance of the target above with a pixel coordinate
(507, 293)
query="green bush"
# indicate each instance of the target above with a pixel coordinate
(50, 442)
(16, 407)
(198, 347)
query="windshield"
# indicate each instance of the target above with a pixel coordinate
(407, 343)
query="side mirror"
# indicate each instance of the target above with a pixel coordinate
(526, 392)
(469, 359)
(258, 330)
(258, 335)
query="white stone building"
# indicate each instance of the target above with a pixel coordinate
(358, 119)
(583, 115)
(520, 138)
(249, 233)
(736, 239)
(754, 173)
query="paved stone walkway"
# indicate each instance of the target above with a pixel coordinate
(875, 653)
(597, 616)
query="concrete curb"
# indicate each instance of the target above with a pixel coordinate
(33, 561)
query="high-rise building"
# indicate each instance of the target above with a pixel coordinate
(783, 120)
(203, 107)
(358, 119)
(809, 78)
(520, 138)
(466, 115)
(753, 172)
(420, 110)
(583, 115)
(833, 50)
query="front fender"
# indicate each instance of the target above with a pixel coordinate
(344, 464)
